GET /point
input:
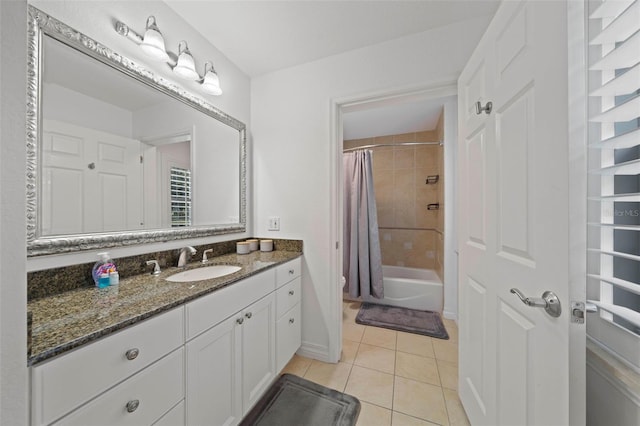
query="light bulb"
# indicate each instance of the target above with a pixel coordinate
(186, 67)
(153, 42)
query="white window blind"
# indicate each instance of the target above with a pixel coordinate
(614, 180)
(180, 197)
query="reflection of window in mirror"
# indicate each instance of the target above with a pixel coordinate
(162, 155)
(180, 182)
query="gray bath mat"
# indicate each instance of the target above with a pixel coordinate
(427, 323)
(294, 401)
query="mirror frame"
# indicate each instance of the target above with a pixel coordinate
(41, 24)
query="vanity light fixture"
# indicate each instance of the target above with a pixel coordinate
(153, 45)
(211, 82)
(186, 66)
(153, 42)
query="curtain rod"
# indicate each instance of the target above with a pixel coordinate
(391, 144)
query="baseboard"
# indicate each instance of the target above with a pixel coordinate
(450, 315)
(314, 351)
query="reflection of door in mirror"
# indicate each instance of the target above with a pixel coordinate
(161, 205)
(91, 180)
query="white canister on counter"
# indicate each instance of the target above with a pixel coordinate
(242, 248)
(253, 244)
(266, 245)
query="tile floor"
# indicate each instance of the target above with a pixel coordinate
(401, 379)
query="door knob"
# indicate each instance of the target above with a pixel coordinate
(549, 301)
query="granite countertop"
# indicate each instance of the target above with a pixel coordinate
(72, 319)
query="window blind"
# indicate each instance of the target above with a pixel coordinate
(180, 197)
(614, 161)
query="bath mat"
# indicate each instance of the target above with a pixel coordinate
(294, 401)
(427, 323)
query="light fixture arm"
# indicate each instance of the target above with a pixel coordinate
(124, 30)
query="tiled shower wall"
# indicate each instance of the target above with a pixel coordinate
(410, 235)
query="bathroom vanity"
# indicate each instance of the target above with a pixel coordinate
(188, 353)
(148, 351)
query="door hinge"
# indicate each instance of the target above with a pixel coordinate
(337, 245)
(577, 312)
(141, 159)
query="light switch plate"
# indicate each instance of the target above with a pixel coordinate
(274, 223)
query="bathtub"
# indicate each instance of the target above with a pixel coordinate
(411, 288)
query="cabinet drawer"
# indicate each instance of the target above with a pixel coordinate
(288, 271)
(287, 296)
(140, 400)
(64, 383)
(210, 310)
(288, 336)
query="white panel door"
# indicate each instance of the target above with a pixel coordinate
(258, 349)
(214, 374)
(92, 181)
(513, 223)
(63, 182)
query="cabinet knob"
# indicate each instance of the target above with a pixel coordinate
(248, 315)
(291, 271)
(132, 354)
(290, 292)
(291, 320)
(240, 320)
(132, 405)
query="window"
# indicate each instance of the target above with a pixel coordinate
(614, 181)
(180, 197)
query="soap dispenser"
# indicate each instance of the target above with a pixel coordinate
(102, 269)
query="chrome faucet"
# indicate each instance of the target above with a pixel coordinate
(185, 255)
(204, 255)
(156, 267)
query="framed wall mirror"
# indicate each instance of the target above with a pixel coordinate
(117, 155)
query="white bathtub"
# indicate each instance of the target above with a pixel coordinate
(411, 288)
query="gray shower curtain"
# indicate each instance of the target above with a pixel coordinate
(362, 261)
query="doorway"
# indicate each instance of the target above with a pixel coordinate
(359, 105)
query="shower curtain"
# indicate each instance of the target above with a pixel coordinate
(362, 261)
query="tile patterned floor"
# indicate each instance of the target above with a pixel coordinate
(401, 379)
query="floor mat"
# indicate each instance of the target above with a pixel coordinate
(427, 323)
(293, 401)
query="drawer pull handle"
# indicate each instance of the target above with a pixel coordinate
(248, 315)
(240, 320)
(291, 292)
(291, 271)
(291, 320)
(132, 354)
(132, 406)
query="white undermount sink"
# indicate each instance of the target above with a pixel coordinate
(205, 273)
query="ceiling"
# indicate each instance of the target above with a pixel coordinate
(79, 72)
(265, 36)
(408, 116)
(268, 35)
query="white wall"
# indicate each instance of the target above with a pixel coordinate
(214, 158)
(292, 152)
(14, 400)
(97, 20)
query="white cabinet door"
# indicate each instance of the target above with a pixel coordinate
(258, 349)
(214, 375)
(515, 360)
(288, 335)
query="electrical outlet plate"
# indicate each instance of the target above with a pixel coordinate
(274, 223)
